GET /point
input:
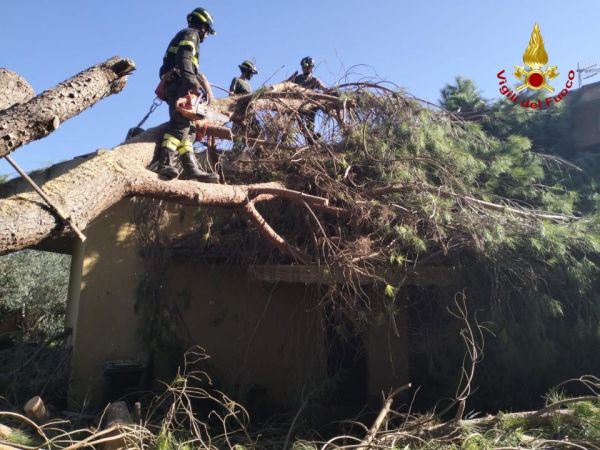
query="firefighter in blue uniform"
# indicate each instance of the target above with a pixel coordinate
(180, 74)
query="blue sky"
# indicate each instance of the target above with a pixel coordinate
(418, 45)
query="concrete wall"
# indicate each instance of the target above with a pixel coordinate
(265, 339)
(586, 116)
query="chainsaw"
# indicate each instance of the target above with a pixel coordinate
(207, 121)
(192, 107)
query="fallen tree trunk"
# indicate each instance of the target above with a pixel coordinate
(290, 96)
(449, 433)
(109, 177)
(26, 122)
(89, 189)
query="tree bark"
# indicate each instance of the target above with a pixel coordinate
(26, 122)
(87, 190)
(13, 89)
(97, 184)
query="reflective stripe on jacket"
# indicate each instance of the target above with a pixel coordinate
(182, 53)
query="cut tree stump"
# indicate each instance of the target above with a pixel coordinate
(36, 410)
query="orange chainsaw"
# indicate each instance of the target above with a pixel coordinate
(207, 121)
(192, 107)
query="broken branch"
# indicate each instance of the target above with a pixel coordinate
(26, 122)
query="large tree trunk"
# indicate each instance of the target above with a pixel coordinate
(26, 122)
(96, 185)
(89, 189)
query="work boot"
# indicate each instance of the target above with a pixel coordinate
(192, 172)
(166, 165)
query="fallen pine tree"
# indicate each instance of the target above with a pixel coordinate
(387, 185)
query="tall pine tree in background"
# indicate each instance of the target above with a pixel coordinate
(538, 295)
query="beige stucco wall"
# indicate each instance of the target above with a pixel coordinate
(269, 336)
(256, 334)
(107, 324)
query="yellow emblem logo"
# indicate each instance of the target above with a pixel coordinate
(535, 57)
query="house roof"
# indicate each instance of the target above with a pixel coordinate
(18, 185)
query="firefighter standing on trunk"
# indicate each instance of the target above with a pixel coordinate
(309, 81)
(179, 72)
(241, 85)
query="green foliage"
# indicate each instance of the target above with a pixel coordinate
(159, 319)
(33, 289)
(548, 128)
(588, 423)
(390, 291)
(33, 293)
(157, 306)
(170, 441)
(475, 441)
(463, 96)
(535, 281)
(580, 424)
(19, 437)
